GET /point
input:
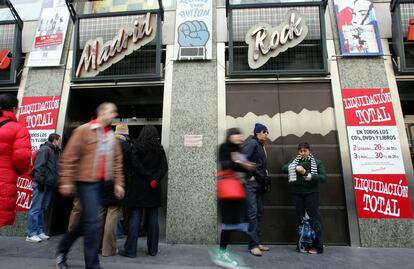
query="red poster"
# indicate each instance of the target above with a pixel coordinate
(382, 196)
(48, 40)
(39, 114)
(368, 107)
(377, 163)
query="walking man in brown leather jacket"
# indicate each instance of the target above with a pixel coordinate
(91, 157)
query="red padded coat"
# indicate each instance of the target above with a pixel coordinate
(15, 154)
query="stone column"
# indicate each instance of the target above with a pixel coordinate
(192, 205)
(376, 72)
(45, 81)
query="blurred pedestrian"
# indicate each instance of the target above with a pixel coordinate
(15, 155)
(45, 177)
(112, 206)
(233, 211)
(92, 157)
(149, 166)
(74, 213)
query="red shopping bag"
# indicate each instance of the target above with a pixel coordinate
(229, 186)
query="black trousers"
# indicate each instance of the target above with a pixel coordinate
(309, 202)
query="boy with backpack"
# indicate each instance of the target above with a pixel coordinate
(45, 176)
(305, 173)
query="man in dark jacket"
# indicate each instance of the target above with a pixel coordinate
(44, 182)
(255, 152)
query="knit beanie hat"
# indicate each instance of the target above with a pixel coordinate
(258, 127)
(122, 129)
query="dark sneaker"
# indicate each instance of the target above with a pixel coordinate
(122, 253)
(61, 261)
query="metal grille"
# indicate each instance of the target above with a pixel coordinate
(243, 19)
(305, 56)
(142, 61)
(407, 12)
(7, 33)
(238, 2)
(105, 27)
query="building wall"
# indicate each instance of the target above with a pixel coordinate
(195, 105)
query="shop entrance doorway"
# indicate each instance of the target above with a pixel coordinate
(405, 90)
(293, 113)
(137, 107)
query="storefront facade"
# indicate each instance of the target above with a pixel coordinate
(258, 68)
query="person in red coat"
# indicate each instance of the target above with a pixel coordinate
(15, 154)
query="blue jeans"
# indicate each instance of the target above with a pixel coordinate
(254, 200)
(135, 218)
(90, 195)
(40, 203)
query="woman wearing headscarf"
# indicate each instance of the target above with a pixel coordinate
(149, 166)
(15, 155)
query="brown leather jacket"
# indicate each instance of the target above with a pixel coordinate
(79, 159)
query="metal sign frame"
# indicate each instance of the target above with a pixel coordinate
(302, 72)
(77, 49)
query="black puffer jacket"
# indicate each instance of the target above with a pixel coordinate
(46, 164)
(147, 164)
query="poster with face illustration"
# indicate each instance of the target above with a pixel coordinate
(358, 28)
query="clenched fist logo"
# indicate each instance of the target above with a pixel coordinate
(192, 34)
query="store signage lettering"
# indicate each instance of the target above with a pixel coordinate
(39, 114)
(98, 56)
(266, 42)
(5, 60)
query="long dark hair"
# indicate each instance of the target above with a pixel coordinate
(232, 131)
(7, 102)
(148, 139)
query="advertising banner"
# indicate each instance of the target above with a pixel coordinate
(377, 164)
(193, 30)
(50, 34)
(358, 28)
(39, 115)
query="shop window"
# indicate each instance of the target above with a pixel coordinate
(117, 41)
(241, 2)
(10, 50)
(110, 6)
(403, 35)
(305, 55)
(28, 10)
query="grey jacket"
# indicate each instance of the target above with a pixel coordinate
(46, 165)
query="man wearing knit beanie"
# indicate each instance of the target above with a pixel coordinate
(255, 186)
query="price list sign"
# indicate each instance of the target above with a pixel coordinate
(377, 164)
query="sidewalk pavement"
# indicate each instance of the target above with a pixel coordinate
(16, 253)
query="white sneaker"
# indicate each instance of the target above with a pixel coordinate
(34, 239)
(43, 236)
